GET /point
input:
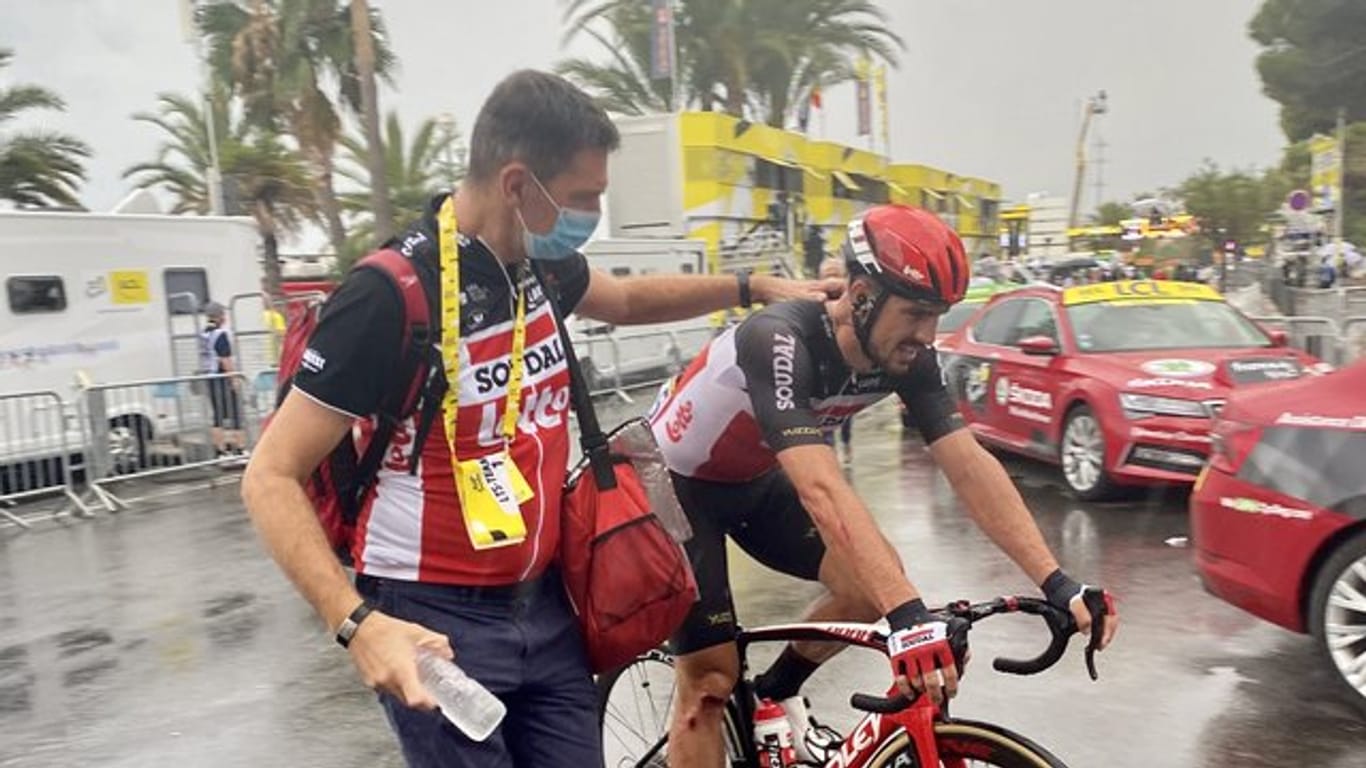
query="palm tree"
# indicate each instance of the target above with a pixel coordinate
(271, 182)
(760, 56)
(414, 172)
(37, 168)
(278, 56)
(363, 40)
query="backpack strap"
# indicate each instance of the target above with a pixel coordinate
(414, 369)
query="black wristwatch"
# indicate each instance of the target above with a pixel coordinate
(351, 623)
(742, 277)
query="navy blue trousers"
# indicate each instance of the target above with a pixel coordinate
(523, 644)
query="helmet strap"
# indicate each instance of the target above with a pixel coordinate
(865, 311)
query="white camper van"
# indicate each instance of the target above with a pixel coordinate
(109, 298)
(641, 352)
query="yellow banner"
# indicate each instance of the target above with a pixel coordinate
(1325, 175)
(1139, 291)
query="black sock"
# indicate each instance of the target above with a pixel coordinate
(785, 677)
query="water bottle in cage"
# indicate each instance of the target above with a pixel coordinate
(773, 736)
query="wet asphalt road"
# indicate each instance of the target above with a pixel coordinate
(164, 636)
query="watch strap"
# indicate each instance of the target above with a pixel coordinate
(742, 278)
(351, 623)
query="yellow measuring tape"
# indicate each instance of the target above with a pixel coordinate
(490, 487)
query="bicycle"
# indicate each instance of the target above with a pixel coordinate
(896, 731)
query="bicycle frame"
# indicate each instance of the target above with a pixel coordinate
(885, 716)
(874, 729)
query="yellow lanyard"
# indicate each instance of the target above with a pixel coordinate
(450, 338)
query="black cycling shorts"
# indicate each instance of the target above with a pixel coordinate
(766, 518)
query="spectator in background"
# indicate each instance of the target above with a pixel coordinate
(215, 357)
(813, 249)
(1328, 274)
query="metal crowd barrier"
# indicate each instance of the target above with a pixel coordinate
(159, 427)
(1319, 336)
(1353, 339)
(40, 447)
(608, 373)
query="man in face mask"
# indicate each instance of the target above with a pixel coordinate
(427, 574)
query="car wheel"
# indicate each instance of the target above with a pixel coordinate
(1082, 455)
(1337, 615)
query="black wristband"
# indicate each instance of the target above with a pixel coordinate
(909, 614)
(351, 623)
(1059, 589)
(742, 277)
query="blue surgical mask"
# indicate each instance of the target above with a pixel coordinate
(571, 230)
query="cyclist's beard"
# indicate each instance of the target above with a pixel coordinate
(896, 360)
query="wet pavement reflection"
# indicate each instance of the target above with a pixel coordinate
(164, 636)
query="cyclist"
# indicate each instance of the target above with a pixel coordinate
(742, 429)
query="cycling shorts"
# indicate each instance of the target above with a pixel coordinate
(766, 518)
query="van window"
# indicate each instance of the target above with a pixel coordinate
(181, 281)
(33, 294)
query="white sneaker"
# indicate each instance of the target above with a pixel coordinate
(813, 742)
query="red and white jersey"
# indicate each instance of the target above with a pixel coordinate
(778, 380)
(411, 526)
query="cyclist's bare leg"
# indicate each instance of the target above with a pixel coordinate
(705, 680)
(842, 601)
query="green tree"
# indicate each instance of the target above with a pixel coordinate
(1314, 62)
(1111, 214)
(272, 183)
(291, 62)
(413, 172)
(37, 168)
(1229, 205)
(748, 57)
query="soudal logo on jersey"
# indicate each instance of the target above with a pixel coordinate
(784, 352)
(543, 357)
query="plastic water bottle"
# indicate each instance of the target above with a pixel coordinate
(466, 703)
(773, 736)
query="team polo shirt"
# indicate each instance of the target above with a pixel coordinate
(411, 527)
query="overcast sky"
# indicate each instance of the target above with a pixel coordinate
(986, 87)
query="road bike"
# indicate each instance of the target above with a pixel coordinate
(895, 732)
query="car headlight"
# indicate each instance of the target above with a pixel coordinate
(1139, 406)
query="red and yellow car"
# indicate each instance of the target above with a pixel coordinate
(1116, 382)
(1278, 519)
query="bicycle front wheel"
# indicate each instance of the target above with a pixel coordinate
(967, 744)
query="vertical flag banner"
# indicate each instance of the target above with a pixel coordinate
(1325, 175)
(865, 102)
(662, 40)
(880, 75)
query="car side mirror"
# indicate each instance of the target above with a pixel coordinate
(1279, 338)
(1042, 346)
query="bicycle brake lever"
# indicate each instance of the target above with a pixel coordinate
(1096, 605)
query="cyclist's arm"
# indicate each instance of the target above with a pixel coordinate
(779, 373)
(993, 502)
(976, 476)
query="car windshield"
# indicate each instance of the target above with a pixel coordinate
(1127, 326)
(957, 315)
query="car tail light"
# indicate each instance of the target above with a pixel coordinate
(1232, 441)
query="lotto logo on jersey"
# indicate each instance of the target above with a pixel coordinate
(679, 423)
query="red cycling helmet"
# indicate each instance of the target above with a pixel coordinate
(909, 252)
